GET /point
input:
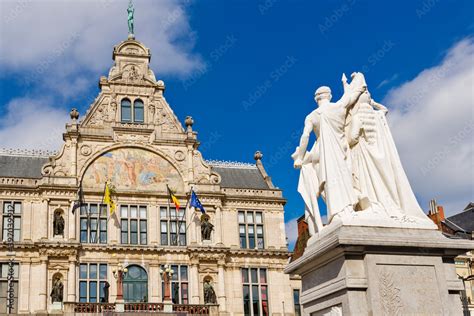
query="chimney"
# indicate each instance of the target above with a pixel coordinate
(436, 213)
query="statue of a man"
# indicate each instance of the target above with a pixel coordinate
(58, 224)
(131, 11)
(57, 290)
(209, 294)
(105, 299)
(326, 169)
(206, 227)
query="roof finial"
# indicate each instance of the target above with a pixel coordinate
(131, 23)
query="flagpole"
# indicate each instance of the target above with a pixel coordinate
(98, 214)
(184, 214)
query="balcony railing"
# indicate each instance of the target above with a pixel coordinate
(143, 307)
(94, 308)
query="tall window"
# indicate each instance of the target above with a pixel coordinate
(251, 229)
(126, 110)
(4, 288)
(255, 287)
(133, 224)
(296, 302)
(179, 284)
(92, 279)
(172, 222)
(16, 219)
(93, 223)
(138, 111)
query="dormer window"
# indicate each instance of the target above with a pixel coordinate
(132, 114)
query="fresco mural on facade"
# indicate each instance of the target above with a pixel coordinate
(132, 169)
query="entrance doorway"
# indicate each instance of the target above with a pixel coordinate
(135, 285)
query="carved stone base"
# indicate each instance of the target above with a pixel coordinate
(357, 270)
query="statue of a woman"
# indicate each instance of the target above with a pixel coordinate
(57, 290)
(209, 294)
(131, 11)
(378, 173)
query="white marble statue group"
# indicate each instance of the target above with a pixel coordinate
(354, 164)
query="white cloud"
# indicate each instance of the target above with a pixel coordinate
(432, 119)
(291, 228)
(58, 49)
(23, 127)
(82, 34)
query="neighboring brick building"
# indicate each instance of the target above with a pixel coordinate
(460, 225)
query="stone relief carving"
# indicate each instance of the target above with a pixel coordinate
(85, 150)
(57, 252)
(389, 295)
(179, 155)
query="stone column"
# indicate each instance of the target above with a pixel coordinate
(221, 287)
(41, 280)
(218, 227)
(190, 220)
(71, 219)
(24, 287)
(74, 156)
(71, 281)
(41, 220)
(27, 220)
(194, 275)
(153, 224)
(155, 283)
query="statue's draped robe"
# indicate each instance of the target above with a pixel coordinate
(377, 169)
(328, 174)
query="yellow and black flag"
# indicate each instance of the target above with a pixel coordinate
(173, 198)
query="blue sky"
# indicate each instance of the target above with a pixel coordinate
(246, 71)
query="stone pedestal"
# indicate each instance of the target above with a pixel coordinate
(356, 270)
(167, 306)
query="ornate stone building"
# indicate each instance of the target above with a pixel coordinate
(131, 137)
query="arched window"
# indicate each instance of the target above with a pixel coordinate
(138, 111)
(135, 284)
(126, 110)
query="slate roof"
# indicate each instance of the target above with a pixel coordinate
(21, 167)
(243, 177)
(463, 220)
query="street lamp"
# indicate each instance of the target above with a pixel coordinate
(167, 274)
(119, 274)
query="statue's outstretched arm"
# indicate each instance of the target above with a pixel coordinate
(378, 106)
(350, 96)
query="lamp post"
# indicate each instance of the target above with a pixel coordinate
(11, 262)
(119, 274)
(167, 274)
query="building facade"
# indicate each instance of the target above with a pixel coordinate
(459, 226)
(131, 138)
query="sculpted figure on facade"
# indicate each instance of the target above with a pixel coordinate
(353, 164)
(57, 290)
(206, 227)
(58, 224)
(209, 293)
